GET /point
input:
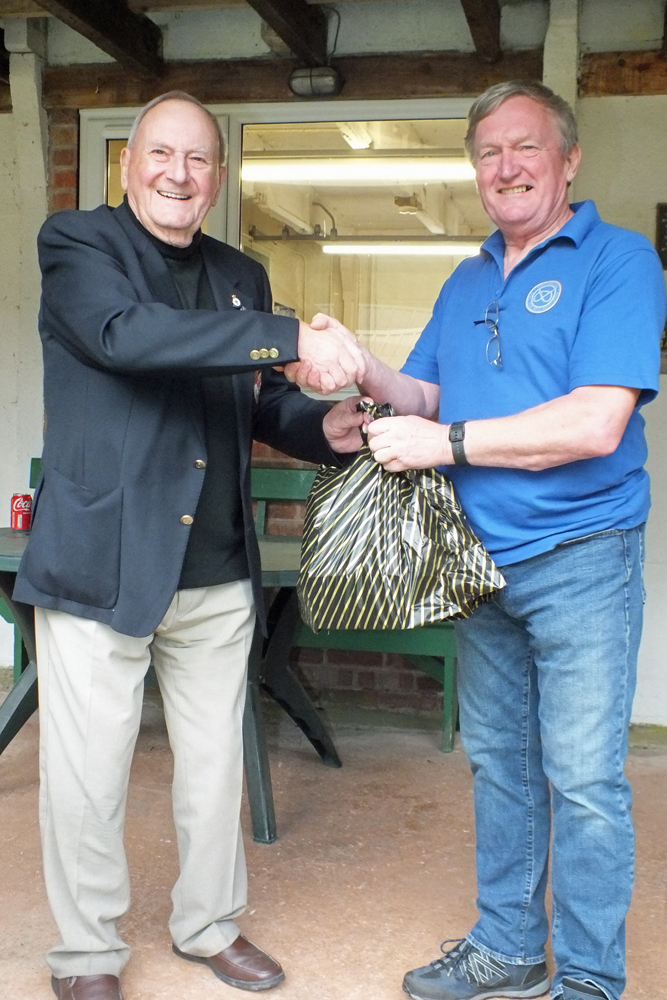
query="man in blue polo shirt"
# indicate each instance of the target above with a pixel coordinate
(538, 357)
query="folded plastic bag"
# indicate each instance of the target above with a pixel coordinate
(388, 550)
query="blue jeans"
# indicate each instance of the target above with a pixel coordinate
(546, 681)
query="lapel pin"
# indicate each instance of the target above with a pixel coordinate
(236, 302)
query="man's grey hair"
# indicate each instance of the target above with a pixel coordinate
(179, 95)
(492, 98)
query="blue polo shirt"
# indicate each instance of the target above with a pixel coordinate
(585, 307)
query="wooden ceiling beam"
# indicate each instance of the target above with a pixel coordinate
(132, 39)
(631, 74)
(31, 8)
(483, 17)
(302, 28)
(443, 74)
(4, 60)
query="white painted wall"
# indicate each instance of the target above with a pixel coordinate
(610, 25)
(22, 211)
(400, 25)
(10, 348)
(624, 142)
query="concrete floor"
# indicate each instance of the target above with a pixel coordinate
(373, 868)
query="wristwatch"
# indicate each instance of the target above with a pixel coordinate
(457, 433)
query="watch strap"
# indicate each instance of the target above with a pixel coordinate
(457, 433)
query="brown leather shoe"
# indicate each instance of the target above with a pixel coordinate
(87, 988)
(243, 965)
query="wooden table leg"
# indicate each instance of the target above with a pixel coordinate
(21, 701)
(255, 754)
(282, 683)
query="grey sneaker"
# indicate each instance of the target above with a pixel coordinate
(573, 989)
(466, 973)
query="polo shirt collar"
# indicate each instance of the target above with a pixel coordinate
(575, 229)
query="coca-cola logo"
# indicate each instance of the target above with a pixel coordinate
(22, 504)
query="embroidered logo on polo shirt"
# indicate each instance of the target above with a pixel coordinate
(543, 297)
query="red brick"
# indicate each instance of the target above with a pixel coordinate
(320, 677)
(398, 662)
(390, 680)
(64, 116)
(290, 529)
(314, 656)
(366, 680)
(286, 511)
(65, 157)
(354, 658)
(406, 681)
(64, 179)
(62, 200)
(345, 678)
(64, 135)
(426, 683)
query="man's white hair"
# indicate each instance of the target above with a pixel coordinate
(179, 95)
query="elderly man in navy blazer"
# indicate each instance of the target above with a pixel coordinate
(159, 357)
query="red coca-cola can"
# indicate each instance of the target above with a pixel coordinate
(21, 511)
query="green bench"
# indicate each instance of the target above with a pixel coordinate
(431, 649)
(20, 655)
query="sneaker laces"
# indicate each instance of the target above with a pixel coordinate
(452, 957)
(462, 961)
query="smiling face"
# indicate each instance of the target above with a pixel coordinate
(172, 173)
(522, 174)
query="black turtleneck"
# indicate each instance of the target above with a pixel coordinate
(216, 551)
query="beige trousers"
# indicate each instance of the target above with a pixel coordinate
(90, 697)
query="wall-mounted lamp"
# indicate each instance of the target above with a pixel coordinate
(316, 81)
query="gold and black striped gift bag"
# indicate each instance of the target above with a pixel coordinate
(388, 550)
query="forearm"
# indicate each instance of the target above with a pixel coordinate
(386, 385)
(566, 429)
(587, 423)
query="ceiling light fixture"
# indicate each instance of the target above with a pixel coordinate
(356, 170)
(404, 249)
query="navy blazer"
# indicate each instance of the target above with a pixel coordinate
(124, 426)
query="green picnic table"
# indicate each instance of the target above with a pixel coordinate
(431, 648)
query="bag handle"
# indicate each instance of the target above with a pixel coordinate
(376, 411)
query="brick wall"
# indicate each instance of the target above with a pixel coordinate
(63, 181)
(369, 680)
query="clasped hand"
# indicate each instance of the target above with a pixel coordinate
(400, 443)
(330, 357)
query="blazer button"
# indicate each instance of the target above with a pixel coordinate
(200, 464)
(255, 355)
(264, 353)
(187, 519)
(274, 353)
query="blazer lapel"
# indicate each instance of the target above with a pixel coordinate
(155, 270)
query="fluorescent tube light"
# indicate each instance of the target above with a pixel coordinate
(404, 249)
(357, 170)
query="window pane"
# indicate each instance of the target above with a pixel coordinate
(361, 220)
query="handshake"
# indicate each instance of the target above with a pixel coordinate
(330, 357)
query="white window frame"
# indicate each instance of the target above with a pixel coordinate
(100, 124)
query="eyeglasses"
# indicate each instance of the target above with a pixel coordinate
(490, 321)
